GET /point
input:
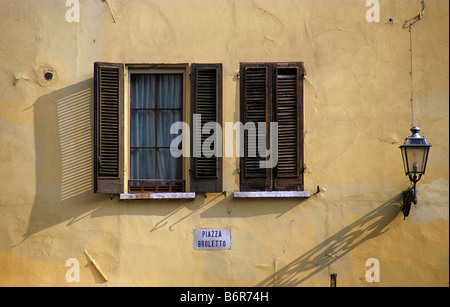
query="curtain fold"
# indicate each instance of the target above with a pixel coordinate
(156, 103)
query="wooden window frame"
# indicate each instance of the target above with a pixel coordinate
(171, 185)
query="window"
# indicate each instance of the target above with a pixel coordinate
(272, 92)
(155, 104)
(156, 100)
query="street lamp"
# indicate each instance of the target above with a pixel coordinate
(415, 155)
(415, 149)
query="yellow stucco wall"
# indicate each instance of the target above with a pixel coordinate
(356, 111)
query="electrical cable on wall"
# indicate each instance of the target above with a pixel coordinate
(408, 24)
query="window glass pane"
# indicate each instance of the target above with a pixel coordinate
(170, 91)
(143, 163)
(143, 90)
(168, 166)
(143, 128)
(165, 120)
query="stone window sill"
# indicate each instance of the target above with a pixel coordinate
(158, 195)
(274, 194)
(191, 195)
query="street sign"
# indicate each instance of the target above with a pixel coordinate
(212, 238)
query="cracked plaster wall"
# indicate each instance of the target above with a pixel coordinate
(356, 112)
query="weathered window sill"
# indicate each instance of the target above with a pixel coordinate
(274, 194)
(191, 195)
(158, 195)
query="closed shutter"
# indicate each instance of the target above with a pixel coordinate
(273, 92)
(108, 118)
(206, 104)
(288, 112)
(255, 108)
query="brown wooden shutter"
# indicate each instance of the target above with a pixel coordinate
(288, 112)
(108, 122)
(206, 100)
(255, 91)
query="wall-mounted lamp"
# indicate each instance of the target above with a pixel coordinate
(415, 149)
(415, 156)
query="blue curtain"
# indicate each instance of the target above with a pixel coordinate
(158, 100)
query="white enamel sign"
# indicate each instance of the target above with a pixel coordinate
(212, 238)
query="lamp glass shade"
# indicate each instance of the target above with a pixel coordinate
(415, 159)
(415, 153)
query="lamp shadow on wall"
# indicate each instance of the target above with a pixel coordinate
(63, 144)
(369, 226)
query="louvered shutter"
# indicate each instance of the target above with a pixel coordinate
(288, 112)
(255, 91)
(206, 101)
(108, 119)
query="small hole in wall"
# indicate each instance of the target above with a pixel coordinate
(390, 20)
(48, 76)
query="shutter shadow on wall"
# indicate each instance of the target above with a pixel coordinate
(108, 134)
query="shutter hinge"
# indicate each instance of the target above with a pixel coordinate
(238, 75)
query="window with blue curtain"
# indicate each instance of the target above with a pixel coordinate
(156, 103)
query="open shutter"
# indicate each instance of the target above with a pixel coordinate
(206, 101)
(288, 112)
(255, 91)
(108, 121)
